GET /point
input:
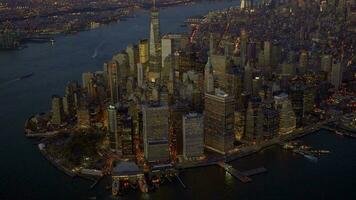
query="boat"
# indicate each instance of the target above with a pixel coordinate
(339, 133)
(26, 76)
(311, 158)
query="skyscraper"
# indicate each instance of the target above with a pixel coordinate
(86, 77)
(219, 121)
(113, 128)
(303, 62)
(243, 46)
(297, 98)
(167, 49)
(208, 77)
(336, 74)
(83, 117)
(120, 128)
(254, 121)
(57, 110)
(267, 47)
(155, 41)
(143, 51)
(271, 122)
(113, 78)
(193, 136)
(246, 4)
(287, 119)
(133, 57)
(155, 132)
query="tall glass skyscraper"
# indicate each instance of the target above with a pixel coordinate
(154, 40)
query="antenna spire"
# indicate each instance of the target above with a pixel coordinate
(154, 3)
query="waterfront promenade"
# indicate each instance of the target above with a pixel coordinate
(240, 152)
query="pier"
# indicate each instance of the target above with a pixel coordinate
(181, 182)
(256, 171)
(340, 132)
(234, 172)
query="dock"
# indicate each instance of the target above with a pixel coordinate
(256, 171)
(340, 131)
(234, 172)
(181, 182)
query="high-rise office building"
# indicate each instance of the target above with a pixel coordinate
(219, 121)
(143, 51)
(155, 41)
(120, 128)
(271, 122)
(167, 49)
(246, 4)
(326, 64)
(155, 132)
(193, 136)
(127, 131)
(254, 121)
(309, 100)
(208, 77)
(239, 124)
(303, 62)
(234, 85)
(297, 98)
(69, 106)
(140, 75)
(86, 78)
(287, 119)
(177, 111)
(267, 48)
(57, 110)
(221, 66)
(336, 74)
(83, 117)
(248, 79)
(113, 78)
(243, 47)
(113, 128)
(133, 58)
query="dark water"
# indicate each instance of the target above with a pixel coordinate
(25, 174)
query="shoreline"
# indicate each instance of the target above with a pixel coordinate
(250, 150)
(57, 165)
(52, 35)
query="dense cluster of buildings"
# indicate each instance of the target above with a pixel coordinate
(173, 98)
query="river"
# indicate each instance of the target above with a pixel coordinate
(25, 174)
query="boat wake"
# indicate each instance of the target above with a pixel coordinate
(16, 79)
(95, 54)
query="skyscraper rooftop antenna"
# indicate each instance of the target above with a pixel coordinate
(154, 4)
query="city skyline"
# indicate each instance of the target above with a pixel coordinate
(222, 91)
